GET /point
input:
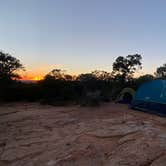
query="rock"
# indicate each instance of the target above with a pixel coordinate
(111, 135)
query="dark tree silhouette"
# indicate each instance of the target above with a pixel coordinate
(68, 77)
(59, 88)
(56, 74)
(161, 72)
(102, 75)
(87, 77)
(9, 66)
(125, 67)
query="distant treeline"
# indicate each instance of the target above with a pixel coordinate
(59, 88)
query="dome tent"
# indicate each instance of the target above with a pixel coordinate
(126, 95)
(151, 97)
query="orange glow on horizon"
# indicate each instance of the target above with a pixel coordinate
(33, 77)
(37, 78)
(38, 73)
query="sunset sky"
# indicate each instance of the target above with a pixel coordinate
(82, 35)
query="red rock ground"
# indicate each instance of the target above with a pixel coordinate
(110, 135)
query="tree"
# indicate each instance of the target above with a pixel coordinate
(125, 67)
(55, 74)
(88, 77)
(9, 66)
(58, 74)
(161, 72)
(68, 77)
(102, 75)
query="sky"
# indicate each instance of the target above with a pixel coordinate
(80, 36)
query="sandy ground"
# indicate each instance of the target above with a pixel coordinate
(110, 135)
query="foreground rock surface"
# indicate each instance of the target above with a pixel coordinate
(110, 135)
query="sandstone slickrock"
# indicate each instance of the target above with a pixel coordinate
(110, 135)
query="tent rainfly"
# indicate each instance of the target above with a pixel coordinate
(151, 97)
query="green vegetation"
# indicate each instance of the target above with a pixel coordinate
(59, 88)
(125, 67)
(161, 72)
(9, 67)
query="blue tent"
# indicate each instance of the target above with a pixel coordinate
(151, 97)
